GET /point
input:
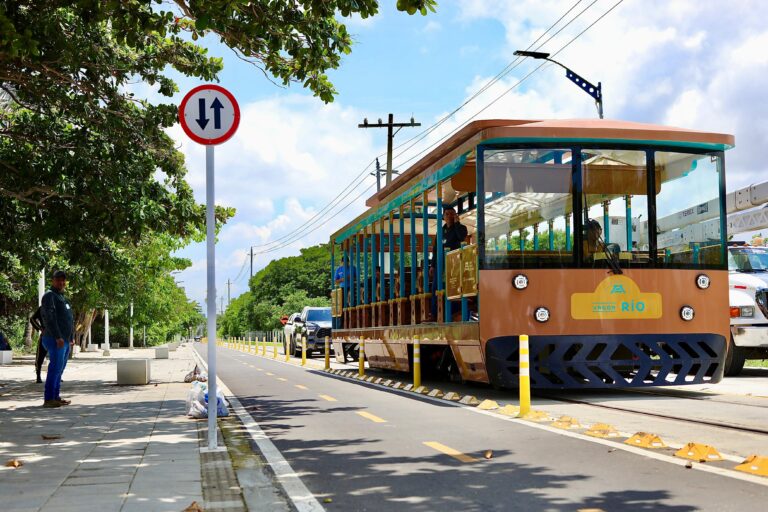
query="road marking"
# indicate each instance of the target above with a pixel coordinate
(301, 387)
(270, 374)
(258, 369)
(282, 379)
(463, 457)
(371, 417)
(328, 398)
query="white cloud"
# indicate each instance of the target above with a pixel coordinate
(432, 26)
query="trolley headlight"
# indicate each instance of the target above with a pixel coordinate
(520, 281)
(702, 281)
(687, 313)
(541, 314)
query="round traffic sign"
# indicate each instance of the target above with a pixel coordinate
(209, 114)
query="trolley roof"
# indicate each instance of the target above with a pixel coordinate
(458, 149)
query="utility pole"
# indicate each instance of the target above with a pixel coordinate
(251, 262)
(229, 285)
(391, 132)
(221, 308)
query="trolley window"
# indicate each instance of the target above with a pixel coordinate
(615, 188)
(528, 208)
(688, 207)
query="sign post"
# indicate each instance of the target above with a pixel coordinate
(210, 115)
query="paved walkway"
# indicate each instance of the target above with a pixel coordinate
(115, 448)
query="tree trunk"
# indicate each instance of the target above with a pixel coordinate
(29, 344)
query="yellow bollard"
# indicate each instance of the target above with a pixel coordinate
(303, 351)
(416, 362)
(263, 347)
(274, 350)
(525, 376)
(327, 353)
(361, 359)
(286, 347)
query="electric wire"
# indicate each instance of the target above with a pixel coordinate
(421, 135)
(304, 229)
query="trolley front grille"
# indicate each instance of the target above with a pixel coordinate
(605, 361)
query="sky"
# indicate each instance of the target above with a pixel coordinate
(688, 63)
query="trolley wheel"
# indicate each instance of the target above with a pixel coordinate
(734, 359)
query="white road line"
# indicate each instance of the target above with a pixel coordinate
(294, 488)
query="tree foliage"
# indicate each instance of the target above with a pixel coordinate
(283, 287)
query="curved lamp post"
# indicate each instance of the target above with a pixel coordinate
(596, 91)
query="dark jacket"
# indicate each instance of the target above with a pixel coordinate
(452, 239)
(57, 315)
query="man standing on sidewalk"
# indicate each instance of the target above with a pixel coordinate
(59, 328)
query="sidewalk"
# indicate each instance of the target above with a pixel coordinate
(115, 448)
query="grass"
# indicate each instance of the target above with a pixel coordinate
(757, 363)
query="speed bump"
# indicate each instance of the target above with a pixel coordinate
(422, 390)
(488, 405)
(469, 400)
(398, 385)
(408, 387)
(566, 423)
(602, 430)
(699, 452)
(436, 393)
(754, 464)
(645, 440)
(534, 415)
(509, 410)
(452, 396)
(387, 382)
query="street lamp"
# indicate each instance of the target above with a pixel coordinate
(596, 91)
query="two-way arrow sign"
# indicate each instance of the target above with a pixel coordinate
(202, 120)
(195, 114)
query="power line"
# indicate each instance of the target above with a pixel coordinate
(356, 181)
(299, 232)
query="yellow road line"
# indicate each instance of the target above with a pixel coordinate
(463, 457)
(371, 417)
(282, 379)
(301, 387)
(328, 398)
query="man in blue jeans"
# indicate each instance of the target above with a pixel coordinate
(57, 337)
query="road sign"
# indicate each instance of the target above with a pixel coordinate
(209, 114)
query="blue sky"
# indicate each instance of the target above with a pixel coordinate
(688, 63)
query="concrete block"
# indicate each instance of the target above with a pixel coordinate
(172, 346)
(6, 356)
(132, 372)
(161, 353)
(76, 349)
(92, 348)
(115, 345)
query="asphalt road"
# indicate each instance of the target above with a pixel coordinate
(368, 448)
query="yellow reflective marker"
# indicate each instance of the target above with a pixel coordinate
(328, 398)
(282, 379)
(371, 417)
(463, 457)
(754, 464)
(699, 452)
(301, 387)
(270, 374)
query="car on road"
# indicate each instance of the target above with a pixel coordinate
(748, 299)
(312, 322)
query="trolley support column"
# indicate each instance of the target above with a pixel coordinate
(303, 351)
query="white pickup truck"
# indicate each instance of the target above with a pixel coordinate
(748, 293)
